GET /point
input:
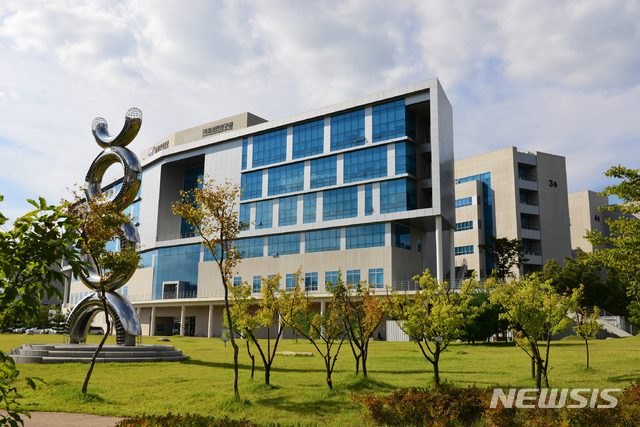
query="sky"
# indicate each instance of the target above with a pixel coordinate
(561, 77)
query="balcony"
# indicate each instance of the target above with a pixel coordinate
(533, 259)
(529, 209)
(531, 234)
(528, 184)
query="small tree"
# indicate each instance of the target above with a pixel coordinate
(535, 312)
(587, 326)
(487, 322)
(324, 330)
(247, 321)
(505, 254)
(211, 210)
(361, 313)
(434, 315)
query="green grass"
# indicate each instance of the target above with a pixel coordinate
(203, 384)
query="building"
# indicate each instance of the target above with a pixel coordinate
(585, 216)
(365, 187)
(512, 194)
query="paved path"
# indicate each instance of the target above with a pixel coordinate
(63, 419)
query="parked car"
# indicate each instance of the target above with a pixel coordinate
(18, 330)
(96, 330)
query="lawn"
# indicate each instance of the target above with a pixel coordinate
(203, 384)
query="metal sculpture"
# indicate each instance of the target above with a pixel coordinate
(125, 317)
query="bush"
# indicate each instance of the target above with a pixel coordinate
(191, 420)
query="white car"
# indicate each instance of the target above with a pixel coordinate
(96, 330)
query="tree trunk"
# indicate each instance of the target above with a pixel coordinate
(586, 343)
(364, 364)
(327, 362)
(533, 368)
(539, 373)
(267, 374)
(85, 384)
(253, 360)
(357, 364)
(436, 370)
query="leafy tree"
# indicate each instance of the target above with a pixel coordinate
(211, 210)
(246, 320)
(535, 311)
(434, 316)
(487, 322)
(621, 249)
(361, 312)
(505, 254)
(587, 326)
(99, 223)
(324, 330)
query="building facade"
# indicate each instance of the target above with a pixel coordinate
(365, 187)
(512, 194)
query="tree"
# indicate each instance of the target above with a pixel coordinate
(487, 322)
(99, 223)
(266, 315)
(535, 311)
(620, 250)
(324, 330)
(434, 316)
(505, 254)
(587, 326)
(361, 312)
(211, 210)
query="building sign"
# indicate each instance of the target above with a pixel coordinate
(217, 129)
(159, 147)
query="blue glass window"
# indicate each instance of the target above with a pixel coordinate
(353, 277)
(464, 250)
(245, 215)
(340, 203)
(257, 284)
(253, 247)
(237, 281)
(405, 158)
(403, 237)
(324, 171)
(487, 201)
(368, 199)
(467, 201)
(311, 281)
(365, 164)
(331, 278)
(146, 259)
(398, 195)
(176, 263)
(309, 214)
(135, 212)
(308, 139)
(269, 148)
(393, 120)
(288, 211)
(365, 236)
(286, 179)
(191, 177)
(322, 240)
(284, 244)
(252, 185)
(245, 147)
(290, 282)
(466, 225)
(376, 277)
(347, 130)
(264, 214)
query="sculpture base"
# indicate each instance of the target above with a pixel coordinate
(82, 353)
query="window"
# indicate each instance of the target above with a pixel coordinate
(309, 213)
(365, 236)
(308, 139)
(264, 214)
(365, 164)
(376, 277)
(191, 177)
(340, 203)
(311, 282)
(368, 199)
(286, 179)
(257, 284)
(405, 158)
(466, 225)
(331, 278)
(269, 148)
(146, 259)
(467, 201)
(176, 263)
(237, 281)
(403, 237)
(245, 215)
(160, 327)
(525, 222)
(288, 212)
(251, 184)
(245, 147)
(324, 171)
(419, 246)
(524, 197)
(253, 247)
(291, 281)
(353, 277)
(398, 195)
(347, 130)
(393, 120)
(284, 244)
(522, 172)
(464, 250)
(322, 240)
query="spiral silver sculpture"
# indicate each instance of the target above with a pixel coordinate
(124, 315)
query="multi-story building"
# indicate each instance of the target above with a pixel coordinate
(512, 194)
(364, 187)
(585, 216)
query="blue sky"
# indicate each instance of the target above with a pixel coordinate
(561, 77)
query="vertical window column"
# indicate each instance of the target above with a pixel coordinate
(289, 154)
(368, 124)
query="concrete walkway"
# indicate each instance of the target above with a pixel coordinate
(63, 419)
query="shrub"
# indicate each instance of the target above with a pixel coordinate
(191, 420)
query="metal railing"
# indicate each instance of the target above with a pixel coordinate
(617, 321)
(176, 236)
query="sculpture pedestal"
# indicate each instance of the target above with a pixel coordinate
(82, 353)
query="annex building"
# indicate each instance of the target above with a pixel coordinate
(365, 187)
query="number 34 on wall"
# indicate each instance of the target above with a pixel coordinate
(553, 183)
